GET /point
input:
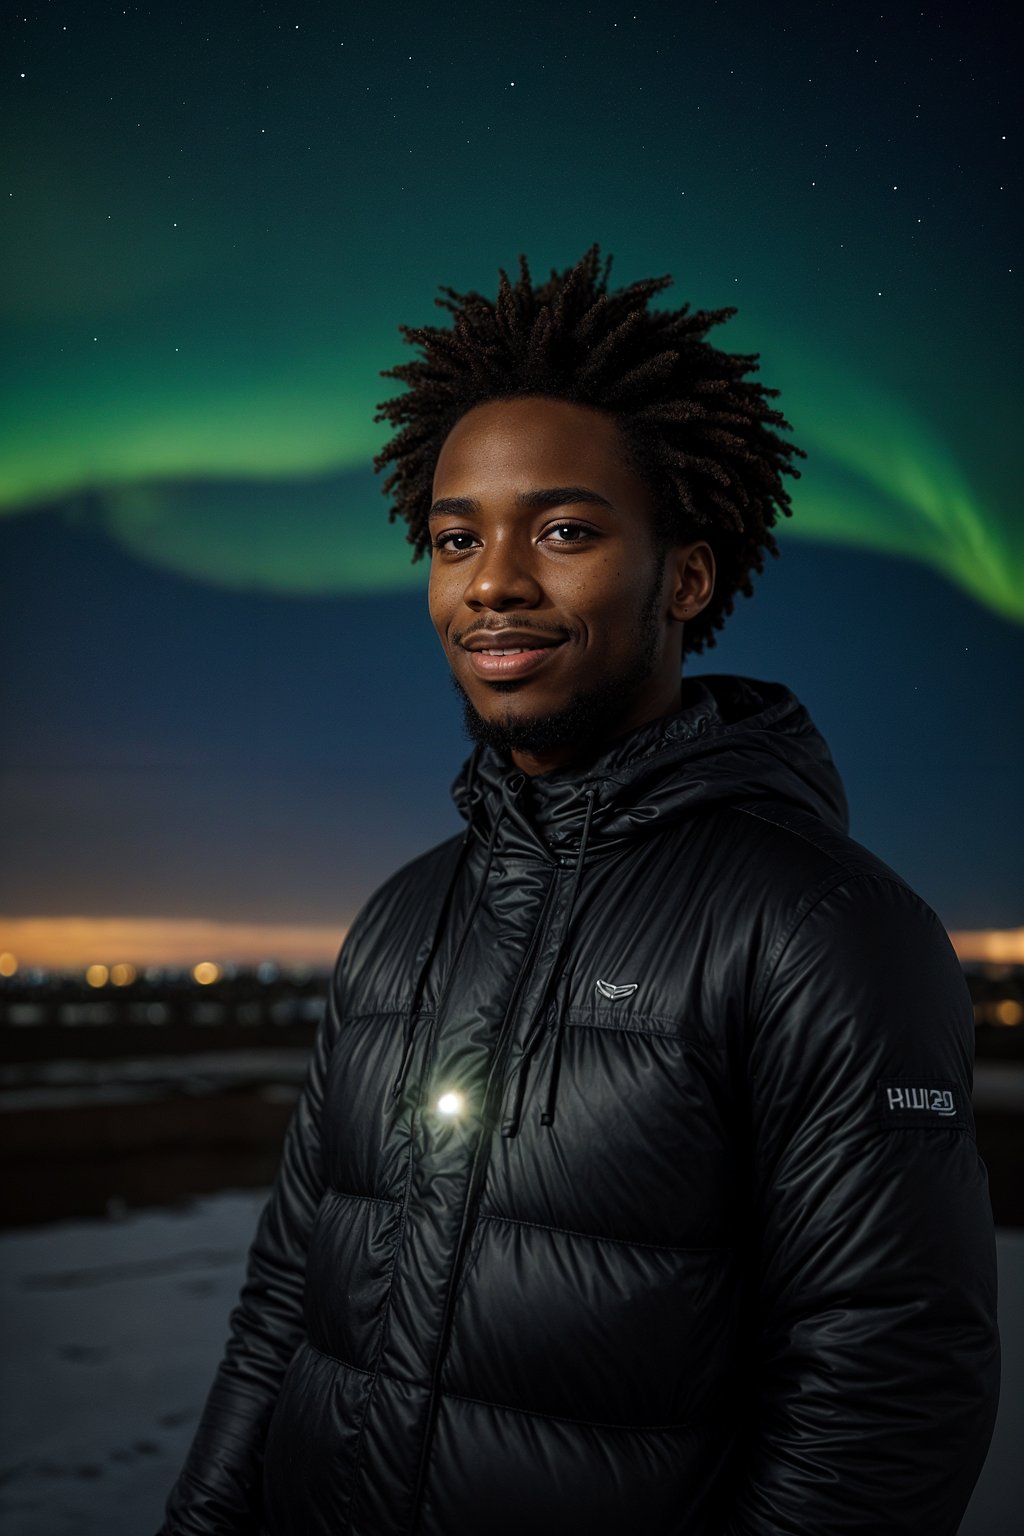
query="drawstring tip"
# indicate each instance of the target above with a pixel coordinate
(546, 1117)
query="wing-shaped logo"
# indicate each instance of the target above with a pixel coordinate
(609, 989)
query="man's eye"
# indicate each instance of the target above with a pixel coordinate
(445, 541)
(576, 533)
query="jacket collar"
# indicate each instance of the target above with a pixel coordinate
(732, 739)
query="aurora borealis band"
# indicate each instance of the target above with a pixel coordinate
(214, 223)
(214, 220)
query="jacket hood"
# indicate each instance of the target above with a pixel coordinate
(732, 739)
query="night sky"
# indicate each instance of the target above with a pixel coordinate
(225, 699)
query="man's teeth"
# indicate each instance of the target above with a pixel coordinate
(518, 651)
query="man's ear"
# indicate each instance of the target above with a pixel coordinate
(692, 567)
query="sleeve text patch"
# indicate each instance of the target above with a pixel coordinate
(909, 1101)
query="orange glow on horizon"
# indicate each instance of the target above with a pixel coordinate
(992, 946)
(119, 943)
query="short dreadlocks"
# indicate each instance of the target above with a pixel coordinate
(693, 430)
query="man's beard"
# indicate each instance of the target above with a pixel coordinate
(590, 719)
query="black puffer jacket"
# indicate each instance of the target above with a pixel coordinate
(705, 1246)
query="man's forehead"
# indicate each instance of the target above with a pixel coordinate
(533, 445)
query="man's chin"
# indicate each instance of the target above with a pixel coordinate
(584, 719)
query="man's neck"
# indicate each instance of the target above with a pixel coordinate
(581, 753)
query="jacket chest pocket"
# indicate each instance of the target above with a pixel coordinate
(641, 1145)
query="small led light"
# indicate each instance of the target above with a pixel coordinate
(449, 1105)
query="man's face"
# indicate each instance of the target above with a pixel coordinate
(543, 548)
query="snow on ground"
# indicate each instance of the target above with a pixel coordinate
(113, 1330)
(112, 1333)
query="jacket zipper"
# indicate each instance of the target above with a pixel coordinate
(481, 1158)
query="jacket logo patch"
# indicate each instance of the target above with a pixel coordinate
(609, 989)
(904, 1102)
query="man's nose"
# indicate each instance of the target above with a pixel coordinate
(502, 577)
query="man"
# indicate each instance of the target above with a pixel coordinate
(633, 1186)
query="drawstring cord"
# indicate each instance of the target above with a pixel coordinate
(516, 1091)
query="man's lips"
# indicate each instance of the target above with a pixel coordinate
(509, 653)
(513, 664)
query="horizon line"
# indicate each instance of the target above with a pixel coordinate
(75, 942)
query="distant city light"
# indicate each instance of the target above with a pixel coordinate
(8, 964)
(122, 974)
(97, 975)
(206, 972)
(1009, 1011)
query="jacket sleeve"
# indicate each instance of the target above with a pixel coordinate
(875, 1361)
(219, 1490)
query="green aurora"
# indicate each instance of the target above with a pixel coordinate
(212, 231)
(277, 493)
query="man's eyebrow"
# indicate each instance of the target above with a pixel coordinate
(553, 496)
(561, 496)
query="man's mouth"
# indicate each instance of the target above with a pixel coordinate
(511, 661)
(512, 650)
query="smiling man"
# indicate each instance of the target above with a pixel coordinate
(633, 1185)
(550, 601)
